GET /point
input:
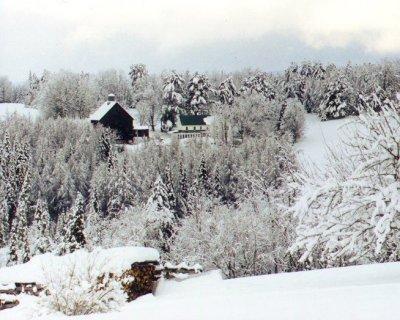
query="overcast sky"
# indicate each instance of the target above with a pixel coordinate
(94, 35)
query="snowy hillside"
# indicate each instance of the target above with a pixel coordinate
(360, 292)
(319, 136)
(8, 109)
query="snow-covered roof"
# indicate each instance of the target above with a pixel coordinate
(103, 109)
(132, 112)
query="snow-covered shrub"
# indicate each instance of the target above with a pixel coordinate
(128, 229)
(249, 240)
(82, 284)
(293, 119)
(66, 94)
(351, 213)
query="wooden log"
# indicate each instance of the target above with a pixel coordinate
(7, 304)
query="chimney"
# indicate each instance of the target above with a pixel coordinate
(111, 97)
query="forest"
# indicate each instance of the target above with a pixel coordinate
(240, 200)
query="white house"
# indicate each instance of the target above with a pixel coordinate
(192, 126)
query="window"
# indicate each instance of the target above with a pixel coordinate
(194, 128)
(200, 127)
(187, 129)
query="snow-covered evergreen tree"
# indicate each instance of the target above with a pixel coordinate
(120, 189)
(73, 237)
(259, 83)
(4, 229)
(336, 100)
(137, 72)
(204, 177)
(19, 246)
(40, 230)
(226, 91)
(169, 187)
(160, 218)
(182, 195)
(173, 98)
(6, 90)
(198, 88)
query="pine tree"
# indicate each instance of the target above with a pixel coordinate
(194, 195)
(183, 194)
(160, 218)
(120, 190)
(173, 98)
(7, 157)
(227, 92)
(19, 247)
(259, 83)
(204, 177)
(104, 146)
(41, 227)
(170, 189)
(335, 103)
(73, 230)
(22, 162)
(4, 229)
(198, 88)
(137, 72)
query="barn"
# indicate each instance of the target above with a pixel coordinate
(112, 115)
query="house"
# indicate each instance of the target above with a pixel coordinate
(112, 115)
(192, 126)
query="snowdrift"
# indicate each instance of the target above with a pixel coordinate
(361, 292)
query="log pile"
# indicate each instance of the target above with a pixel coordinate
(140, 279)
(181, 271)
(8, 303)
(9, 292)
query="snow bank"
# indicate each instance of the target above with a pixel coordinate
(113, 260)
(9, 109)
(368, 292)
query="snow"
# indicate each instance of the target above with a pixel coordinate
(102, 111)
(8, 109)
(365, 292)
(118, 259)
(318, 137)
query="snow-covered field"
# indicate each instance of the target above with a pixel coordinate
(319, 136)
(361, 292)
(8, 109)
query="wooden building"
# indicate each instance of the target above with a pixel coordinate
(192, 126)
(112, 115)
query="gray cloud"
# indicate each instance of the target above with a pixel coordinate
(99, 34)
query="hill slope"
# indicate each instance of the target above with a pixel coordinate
(361, 292)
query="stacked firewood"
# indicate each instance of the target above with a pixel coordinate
(8, 293)
(180, 271)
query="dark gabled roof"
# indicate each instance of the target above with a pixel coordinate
(192, 120)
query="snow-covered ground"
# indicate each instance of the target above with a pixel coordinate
(8, 109)
(319, 136)
(361, 292)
